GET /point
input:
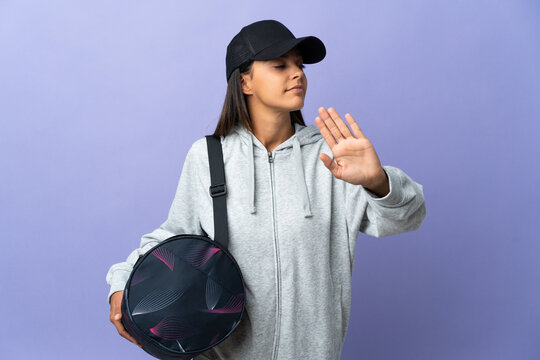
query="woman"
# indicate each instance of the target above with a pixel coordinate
(297, 197)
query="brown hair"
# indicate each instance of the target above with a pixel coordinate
(235, 108)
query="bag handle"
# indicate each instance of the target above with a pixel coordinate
(218, 189)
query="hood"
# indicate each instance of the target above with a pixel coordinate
(303, 135)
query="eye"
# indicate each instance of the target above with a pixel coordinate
(301, 66)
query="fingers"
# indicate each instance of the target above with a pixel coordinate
(325, 132)
(116, 316)
(354, 126)
(338, 128)
(122, 330)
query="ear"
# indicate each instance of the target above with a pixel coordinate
(246, 84)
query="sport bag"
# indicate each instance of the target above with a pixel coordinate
(187, 294)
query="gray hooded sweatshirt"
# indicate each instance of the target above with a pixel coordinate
(293, 227)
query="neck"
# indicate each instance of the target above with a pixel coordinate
(271, 127)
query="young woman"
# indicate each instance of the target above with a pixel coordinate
(297, 197)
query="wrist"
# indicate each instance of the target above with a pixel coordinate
(381, 185)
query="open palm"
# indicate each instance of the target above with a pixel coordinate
(356, 161)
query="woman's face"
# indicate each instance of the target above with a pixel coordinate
(271, 82)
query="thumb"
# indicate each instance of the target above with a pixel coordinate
(328, 162)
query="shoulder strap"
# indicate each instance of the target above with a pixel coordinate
(218, 189)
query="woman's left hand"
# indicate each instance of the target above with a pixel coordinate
(356, 160)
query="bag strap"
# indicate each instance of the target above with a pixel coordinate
(218, 189)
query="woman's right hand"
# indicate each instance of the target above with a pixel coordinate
(116, 316)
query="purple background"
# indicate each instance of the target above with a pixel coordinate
(100, 101)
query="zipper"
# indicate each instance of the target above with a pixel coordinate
(278, 267)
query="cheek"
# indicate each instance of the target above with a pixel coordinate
(272, 89)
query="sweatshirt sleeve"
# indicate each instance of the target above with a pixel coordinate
(401, 210)
(183, 218)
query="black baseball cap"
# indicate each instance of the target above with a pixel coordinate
(269, 39)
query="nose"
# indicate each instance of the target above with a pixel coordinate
(298, 72)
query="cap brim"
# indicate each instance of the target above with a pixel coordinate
(311, 48)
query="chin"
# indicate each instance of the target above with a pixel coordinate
(289, 106)
(297, 107)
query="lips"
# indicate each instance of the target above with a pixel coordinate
(296, 87)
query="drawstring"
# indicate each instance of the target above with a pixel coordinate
(300, 179)
(251, 174)
(299, 176)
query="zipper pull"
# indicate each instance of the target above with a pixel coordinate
(270, 158)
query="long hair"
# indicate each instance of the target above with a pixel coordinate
(235, 108)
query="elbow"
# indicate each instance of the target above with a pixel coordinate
(401, 225)
(418, 217)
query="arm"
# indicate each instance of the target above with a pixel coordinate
(401, 210)
(183, 218)
(355, 162)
